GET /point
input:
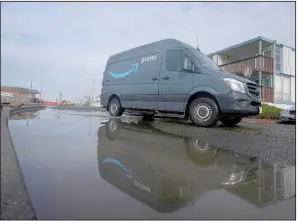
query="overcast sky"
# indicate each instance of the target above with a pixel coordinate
(61, 47)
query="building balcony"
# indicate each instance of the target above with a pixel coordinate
(238, 67)
(267, 94)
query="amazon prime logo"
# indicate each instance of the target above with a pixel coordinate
(148, 59)
(117, 162)
(124, 74)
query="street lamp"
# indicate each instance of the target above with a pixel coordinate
(40, 94)
(92, 92)
(60, 98)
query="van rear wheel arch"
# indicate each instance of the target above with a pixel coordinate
(197, 95)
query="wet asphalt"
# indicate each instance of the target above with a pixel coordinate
(85, 165)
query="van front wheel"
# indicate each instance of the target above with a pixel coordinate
(115, 109)
(230, 121)
(204, 112)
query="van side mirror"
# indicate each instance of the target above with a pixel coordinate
(187, 65)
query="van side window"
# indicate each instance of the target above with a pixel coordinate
(175, 60)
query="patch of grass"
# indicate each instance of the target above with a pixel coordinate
(269, 112)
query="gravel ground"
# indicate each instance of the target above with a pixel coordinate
(274, 143)
(271, 142)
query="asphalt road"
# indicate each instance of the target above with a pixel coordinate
(84, 165)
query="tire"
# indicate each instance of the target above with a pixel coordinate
(230, 121)
(112, 129)
(114, 107)
(210, 114)
(200, 152)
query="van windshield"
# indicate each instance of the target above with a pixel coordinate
(204, 60)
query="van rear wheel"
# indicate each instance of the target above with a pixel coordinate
(203, 112)
(230, 121)
(114, 107)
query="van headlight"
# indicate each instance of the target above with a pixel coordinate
(235, 85)
(283, 113)
(234, 178)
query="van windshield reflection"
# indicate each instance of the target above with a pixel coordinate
(203, 59)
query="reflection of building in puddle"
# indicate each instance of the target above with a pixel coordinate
(58, 113)
(168, 172)
(25, 116)
(274, 184)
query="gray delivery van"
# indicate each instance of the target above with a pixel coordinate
(170, 76)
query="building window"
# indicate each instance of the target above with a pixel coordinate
(266, 81)
(267, 53)
(215, 59)
(278, 67)
(277, 49)
(277, 59)
(283, 88)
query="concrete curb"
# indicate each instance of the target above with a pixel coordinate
(15, 200)
(258, 121)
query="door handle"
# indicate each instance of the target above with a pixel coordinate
(154, 79)
(166, 78)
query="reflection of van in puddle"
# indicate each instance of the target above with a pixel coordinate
(164, 170)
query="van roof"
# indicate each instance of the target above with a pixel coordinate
(151, 48)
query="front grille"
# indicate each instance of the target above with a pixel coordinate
(292, 112)
(252, 174)
(253, 90)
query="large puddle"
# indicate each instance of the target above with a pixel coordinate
(79, 167)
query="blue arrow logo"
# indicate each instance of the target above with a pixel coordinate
(121, 75)
(127, 171)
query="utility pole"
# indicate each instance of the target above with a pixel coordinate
(260, 68)
(92, 92)
(40, 94)
(60, 98)
(30, 90)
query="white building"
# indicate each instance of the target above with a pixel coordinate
(96, 101)
(272, 66)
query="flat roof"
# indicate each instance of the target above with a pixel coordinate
(151, 47)
(248, 42)
(18, 89)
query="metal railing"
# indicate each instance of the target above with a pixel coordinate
(238, 67)
(267, 94)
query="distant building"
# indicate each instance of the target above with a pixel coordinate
(9, 94)
(96, 101)
(269, 63)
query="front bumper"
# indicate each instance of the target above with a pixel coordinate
(288, 117)
(238, 104)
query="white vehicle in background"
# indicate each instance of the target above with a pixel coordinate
(288, 115)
